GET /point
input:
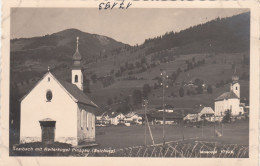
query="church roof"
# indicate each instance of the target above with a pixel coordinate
(227, 95)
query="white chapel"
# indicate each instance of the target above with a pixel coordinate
(230, 100)
(58, 111)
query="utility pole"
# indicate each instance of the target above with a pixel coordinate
(202, 128)
(147, 123)
(222, 128)
(183, 125)
(164, 77)
(214, 125)
(145, 104)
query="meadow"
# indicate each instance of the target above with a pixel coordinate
(123, 136)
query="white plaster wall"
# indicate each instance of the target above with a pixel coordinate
(62, 109)
(219, 107)
(236, 89)
(86, 126)
(222, 106)
(79, 84)
(233, 104)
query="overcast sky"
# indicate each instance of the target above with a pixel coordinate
(129, 26)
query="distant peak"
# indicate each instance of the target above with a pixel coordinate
(70, 31)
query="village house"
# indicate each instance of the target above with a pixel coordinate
(56, 110)
(116, 118)
(230, 100)
(171, 116)
(103, 119)
(133, 117)
(167, 108)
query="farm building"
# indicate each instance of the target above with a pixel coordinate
(230, 100)
(170, 117)
(199, 114)
(55, 110)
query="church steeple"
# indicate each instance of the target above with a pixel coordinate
(235, 86)
(77, 57)
(77, 76)
(235, 77)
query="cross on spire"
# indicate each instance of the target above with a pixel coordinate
(48, 68)
(77, 43)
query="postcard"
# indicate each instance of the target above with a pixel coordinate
(130, 82)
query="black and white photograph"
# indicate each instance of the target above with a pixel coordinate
(131, 82)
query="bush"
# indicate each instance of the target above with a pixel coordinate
(181, 92)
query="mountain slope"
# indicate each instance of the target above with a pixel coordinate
(61, 45)
(220, 35)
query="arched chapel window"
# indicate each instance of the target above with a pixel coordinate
(49, 95)
(236, 87)
(76, 78)
(81, 119)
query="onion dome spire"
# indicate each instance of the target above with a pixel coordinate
(77, 57)
(235, 77)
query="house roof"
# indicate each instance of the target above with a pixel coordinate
(166, 107)
(227, 95)
(207, 110)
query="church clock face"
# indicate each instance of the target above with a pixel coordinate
(48, 95)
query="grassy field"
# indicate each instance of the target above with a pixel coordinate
(122, 141)
(122, 136)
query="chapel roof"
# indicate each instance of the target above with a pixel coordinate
(77, 93)
(72, 89)
(227, 95)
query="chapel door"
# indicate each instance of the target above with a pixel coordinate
(48, 130)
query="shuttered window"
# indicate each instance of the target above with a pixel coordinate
(87, 119)
(81, 118)
(93, 121)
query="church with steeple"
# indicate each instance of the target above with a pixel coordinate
(58, 111)
(230, 100)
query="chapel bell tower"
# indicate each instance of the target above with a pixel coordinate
(235, 86)
(77, 76)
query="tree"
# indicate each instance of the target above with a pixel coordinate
(155, 86)
(193, 59)
(109, 101)
(137, 96)
(199, 89)
(198, 81)
(209, 89)
(181, 92)
(143, 60)
(221, 84)
(94, 78)
(188, 92)
(146, 90)
(86, 85)
(227, 116)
